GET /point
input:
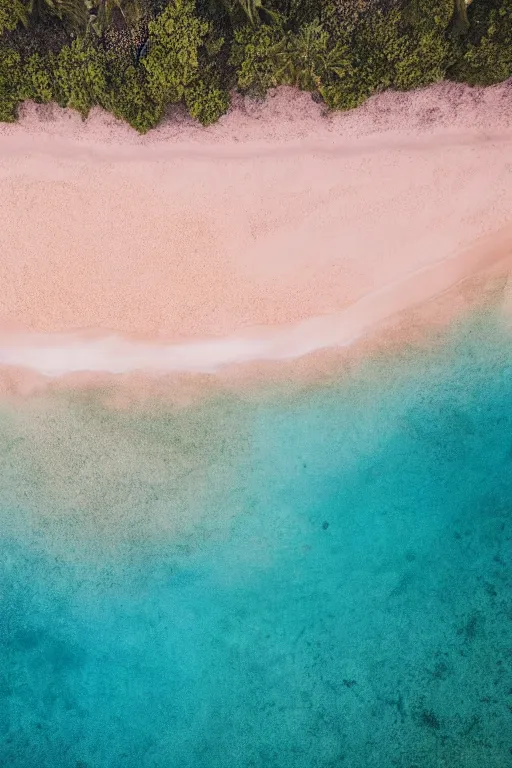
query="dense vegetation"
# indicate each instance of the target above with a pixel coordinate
(136, 57)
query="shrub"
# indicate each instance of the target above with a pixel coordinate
(427, 49)
(12, 12)
(252, 57)
(346, 60)
(129, 99)
(180, 66)
(486, 53)
(80, 77)
(37, 81)
(173, 60)
(306, 59)
(10, 81)
(344, 50)
(395, 49)
(206, 101)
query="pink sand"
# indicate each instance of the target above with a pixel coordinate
(274, 234)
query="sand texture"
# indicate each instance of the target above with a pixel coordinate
(276, 233)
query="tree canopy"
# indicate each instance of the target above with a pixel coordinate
(137, 57)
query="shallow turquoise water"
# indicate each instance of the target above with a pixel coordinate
(318, 580)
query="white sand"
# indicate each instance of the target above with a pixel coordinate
(277, 232)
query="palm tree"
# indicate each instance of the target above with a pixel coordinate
(73, 11)
(101, 13)
(97, 15)
(248, 10)
(253, 9)
(305, 59)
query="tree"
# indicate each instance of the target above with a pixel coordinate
(486, 52)
(394, 49)
(12, 12)
(206, 101)
(179, 66)
(272, 55)
(80, 77)
(252, 56)
(101, 13)
(73, 12)
(85, 15)
(36, 81)
(129, 98)
(253, 11)
(9, 84)
(306, 59)
(172, 64)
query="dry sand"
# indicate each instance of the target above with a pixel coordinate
(279, 232)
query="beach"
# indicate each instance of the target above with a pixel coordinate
(255, 419)
(279, 232)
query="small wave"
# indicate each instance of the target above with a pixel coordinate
(55, 355)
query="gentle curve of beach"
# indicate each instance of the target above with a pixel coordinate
(276, 233)
(313, 572)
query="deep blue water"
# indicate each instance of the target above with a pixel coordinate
(313, 580)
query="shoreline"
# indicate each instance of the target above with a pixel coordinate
(417, 326)
(263, 239)
(56, 355)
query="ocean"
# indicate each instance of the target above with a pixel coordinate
(312, 579)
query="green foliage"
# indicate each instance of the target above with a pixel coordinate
(74, 12)
(101, 13)
(423, 63)
(206, 101)
(83, 16)
(426, 45)
(21, 80)
(300, 12)
(80, 76)
(339, 17)
(37, 81)
(486, 56)
(252, 11)
(129, 99)
(177, 69)
(82, 52)
(396, 49)
(12, 12)
(307, 59)
(400, 50)
(10, 76)
(253, 57)
(172, 64)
